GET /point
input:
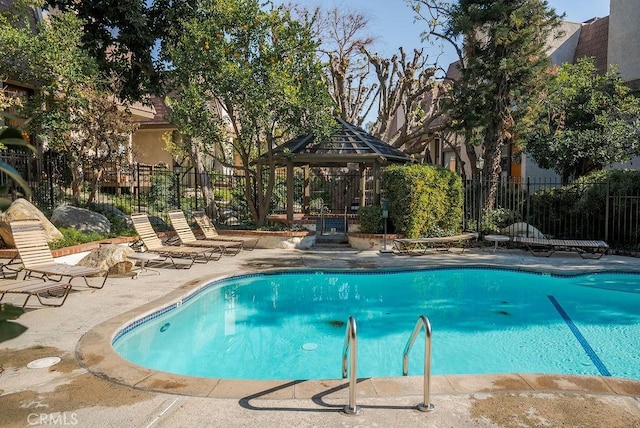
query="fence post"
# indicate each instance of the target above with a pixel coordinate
(196, 177)
(177, 178)
(50, 174)
(138, 187)
(528, 204)
(606, 214)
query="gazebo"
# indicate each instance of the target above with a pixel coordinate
(347, 144)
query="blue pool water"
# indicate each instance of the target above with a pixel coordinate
(292, 325)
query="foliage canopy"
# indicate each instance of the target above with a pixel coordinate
(584, 121)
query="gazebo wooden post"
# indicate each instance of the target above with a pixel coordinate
(376, 180)
(306, 198)
(290, 191)
(363, 184)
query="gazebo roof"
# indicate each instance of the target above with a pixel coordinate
(346, 144)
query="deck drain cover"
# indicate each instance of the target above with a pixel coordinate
(310, 346)
(43, 362)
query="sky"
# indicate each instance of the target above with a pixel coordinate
(392, 21)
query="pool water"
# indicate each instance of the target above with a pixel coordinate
(292, 325)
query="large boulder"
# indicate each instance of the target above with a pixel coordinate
(21, 209)
(112, 258)
(80, 219)
(113, 211)
(522, 229)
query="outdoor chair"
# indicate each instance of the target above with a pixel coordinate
(186, 236)
(36, 287)
(586, 249)
(153, 244)
(36, 257)
(420, 246)
(210, 232)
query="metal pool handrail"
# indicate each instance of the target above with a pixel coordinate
(351, 344)
(426, 405)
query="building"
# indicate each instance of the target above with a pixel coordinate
(610, 40)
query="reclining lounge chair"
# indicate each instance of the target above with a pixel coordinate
(210, 232)
(153, 244)
(544, 247)
(186, 236)
(36, 287)
(37, 259)
(420, 246)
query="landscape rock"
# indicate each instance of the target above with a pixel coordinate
(80, 219)
(110, 257)
(113, 211)
(21, 209)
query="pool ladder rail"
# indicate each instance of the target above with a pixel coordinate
(351, 348)
(426, 405)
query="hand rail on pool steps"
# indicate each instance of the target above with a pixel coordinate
(426, 405)
(351, 344)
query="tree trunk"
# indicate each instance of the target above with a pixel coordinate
(77, 177)
(204, 180)
(97, 176)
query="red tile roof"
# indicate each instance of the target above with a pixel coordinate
(160, 116)
(593, 42)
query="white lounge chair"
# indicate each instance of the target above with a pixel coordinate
(587, 249)
(420, 246)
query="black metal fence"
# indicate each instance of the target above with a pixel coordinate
(585, 210)
(578, 211)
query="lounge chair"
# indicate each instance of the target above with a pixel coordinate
(210, 232)
(186, 236)
(420, 246)
(11, 268)
(36, 287)
(543, 247)
(36, 257)
(153, 245)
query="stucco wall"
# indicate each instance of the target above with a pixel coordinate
(624, 38)
(149, 148)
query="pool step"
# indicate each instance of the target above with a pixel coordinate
(332, 242)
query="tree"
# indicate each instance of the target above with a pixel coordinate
(343, 36)
(11, 137)
(252, 75)
(501, 47)
(79, 117)
(407, 89)
(362, 81)
(585, 121)
(120, 36)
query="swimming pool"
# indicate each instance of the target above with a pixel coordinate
(291, 325)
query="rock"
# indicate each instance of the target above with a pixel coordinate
(520, 229)
(80, 219)
(227, 213)
(301, 243)
(231, 221)
(22, 209)
(109, 257)
(113, 211)
(158, 223)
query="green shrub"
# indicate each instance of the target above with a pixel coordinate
(74, 237)
(495, 220)
(370, 219)
(424, 200)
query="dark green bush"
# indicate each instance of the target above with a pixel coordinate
(572, 210)
(370, 219)
(424, 200)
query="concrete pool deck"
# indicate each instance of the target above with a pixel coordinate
(93, 386)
